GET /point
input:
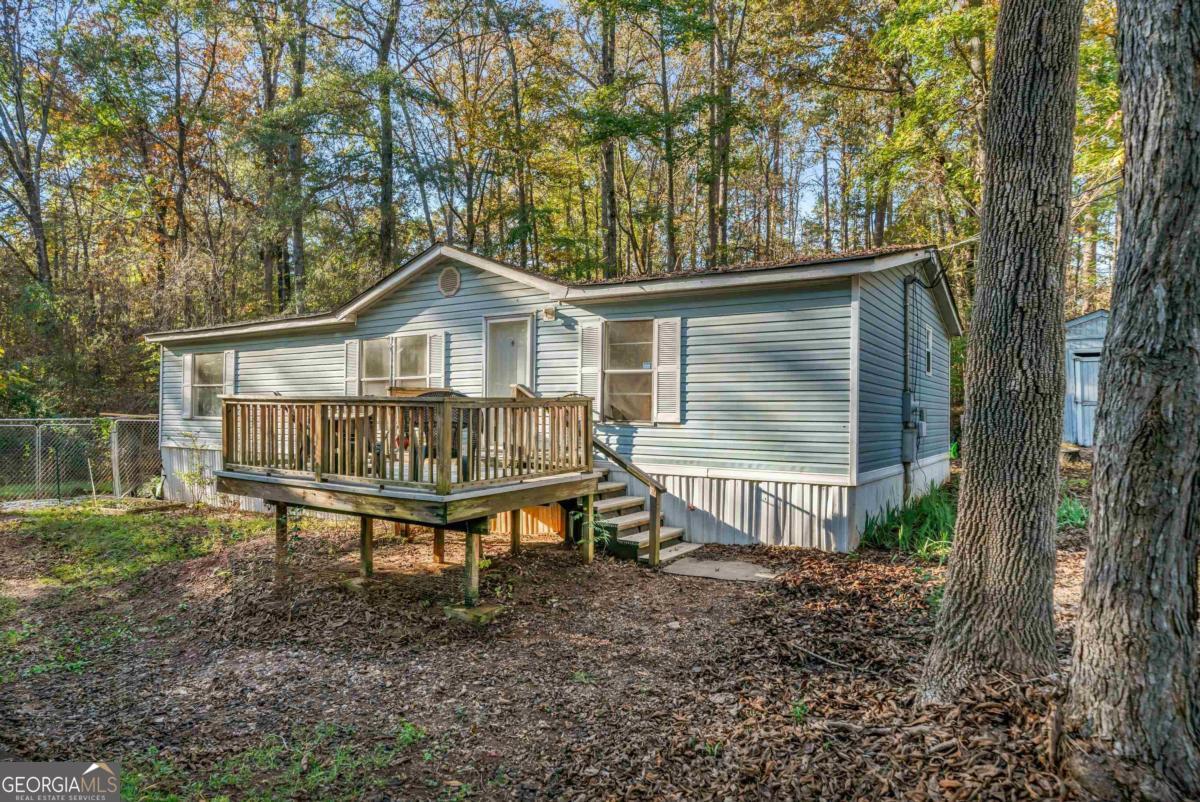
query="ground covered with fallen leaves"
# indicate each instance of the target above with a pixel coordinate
(156, 638)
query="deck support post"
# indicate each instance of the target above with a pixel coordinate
(366, 544)
(652, 528)
(568, 507)
(281, 533)
(476, 528)
(402, 530)
(439, 544)
(587, 546)
(514, 528)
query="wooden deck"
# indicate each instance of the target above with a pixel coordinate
(433, 461)
(447, 462)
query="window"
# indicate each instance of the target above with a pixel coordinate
(412, 361)
(375, 374)
(208, 380)
(629, 370)
(929, 350)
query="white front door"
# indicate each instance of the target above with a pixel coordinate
(1087, 374)
(507, 358)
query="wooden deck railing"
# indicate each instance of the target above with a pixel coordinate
(656, 488)
(440, 444)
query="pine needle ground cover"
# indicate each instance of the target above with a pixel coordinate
(601, 682)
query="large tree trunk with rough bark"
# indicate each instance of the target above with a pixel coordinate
(1134, 664)
(997, 610)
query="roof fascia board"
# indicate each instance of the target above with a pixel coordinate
(249, 330)
(747, 278)
(944, 297)
(1085, 318)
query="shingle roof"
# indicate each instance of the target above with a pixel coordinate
(335, 317)
(798, 260)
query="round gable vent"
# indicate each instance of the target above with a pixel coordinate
(449, 281)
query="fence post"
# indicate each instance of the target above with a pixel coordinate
(37, 461)
(114, 447)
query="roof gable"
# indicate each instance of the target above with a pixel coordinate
(436, 256)
(1083, 320)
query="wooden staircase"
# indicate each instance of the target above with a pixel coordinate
(627, 520)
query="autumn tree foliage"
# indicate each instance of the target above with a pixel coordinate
(183, 162)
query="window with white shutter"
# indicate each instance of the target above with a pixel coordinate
(436, 348)
(351, 369)
(186, 390)
(375, 373)
(667, 401)
(591, 361)
(230, 372)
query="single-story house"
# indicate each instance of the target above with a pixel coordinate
(777, 403)
(1085, 341)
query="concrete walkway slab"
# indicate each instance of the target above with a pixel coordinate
(731, 570)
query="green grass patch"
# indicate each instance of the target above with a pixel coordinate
(8, 608)
(1072, 513)
(29, 651)
(323, 762)
(923, 527)
(100, 549)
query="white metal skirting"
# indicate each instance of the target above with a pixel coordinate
(749, 511)
(875, 496)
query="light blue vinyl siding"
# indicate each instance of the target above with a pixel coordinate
(766, 381)
(295, 365)
(765, 374)
(881, 373)
(1085, 335)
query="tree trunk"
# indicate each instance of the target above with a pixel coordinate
(387, 144)
(520, 150)
(1087, 268)
(1134, 674)
(416, 165)
(997, 612)
(672, 260)
(37, 229)
(712, 178)
(298, 50)
(608, 167)
(977, 47)
(826, 216)
(844, 195)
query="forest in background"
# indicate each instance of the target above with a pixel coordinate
(169, 163)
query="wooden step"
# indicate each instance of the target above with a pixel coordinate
(606, 505)
(671, 552)
(666, 534)
(631, 520)
(604, 488)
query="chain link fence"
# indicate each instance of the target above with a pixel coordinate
(55, 458)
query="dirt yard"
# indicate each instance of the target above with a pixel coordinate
(155, 639)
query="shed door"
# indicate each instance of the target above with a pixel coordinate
(507, 356)
(1087, 372)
